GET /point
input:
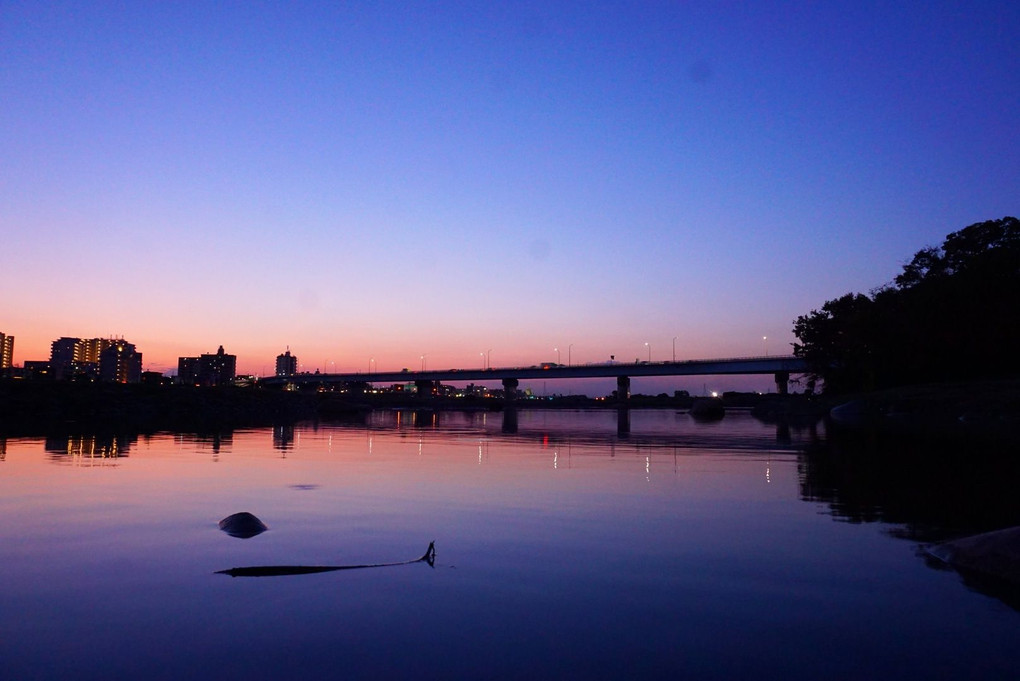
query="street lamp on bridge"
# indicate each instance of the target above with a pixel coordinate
(674, 347)
(648, 345)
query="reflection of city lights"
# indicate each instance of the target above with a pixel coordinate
(556, 459)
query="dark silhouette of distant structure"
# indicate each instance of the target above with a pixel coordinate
(286, 364)
(207, 369)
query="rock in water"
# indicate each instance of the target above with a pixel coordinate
(996, 554)
(242, 525)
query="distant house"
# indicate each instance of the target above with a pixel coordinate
(38, 369)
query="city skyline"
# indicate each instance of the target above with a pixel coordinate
(377, 184)
(73, 358)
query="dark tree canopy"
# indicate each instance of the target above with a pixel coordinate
(952, 314)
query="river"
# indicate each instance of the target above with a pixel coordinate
(683, 549)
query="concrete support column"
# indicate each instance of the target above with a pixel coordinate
(424, 388)
(509, 392)
(622, 389)
(782, 382)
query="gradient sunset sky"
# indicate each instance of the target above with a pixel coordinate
(386, 180)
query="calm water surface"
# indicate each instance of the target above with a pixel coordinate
(708, 551)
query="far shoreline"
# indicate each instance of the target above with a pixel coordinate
(982, 408)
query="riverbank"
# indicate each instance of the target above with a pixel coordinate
(33, 407)
(987, 409)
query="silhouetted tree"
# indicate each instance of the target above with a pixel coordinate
(952, 314)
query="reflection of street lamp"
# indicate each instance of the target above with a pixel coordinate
(649, 351)
(765, 344)
(674, 347)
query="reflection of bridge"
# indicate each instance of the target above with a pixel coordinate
(780, 367)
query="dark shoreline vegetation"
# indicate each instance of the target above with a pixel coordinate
(952, 315)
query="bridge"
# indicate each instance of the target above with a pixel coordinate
(779, 366)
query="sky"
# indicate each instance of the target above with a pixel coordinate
(370, 183)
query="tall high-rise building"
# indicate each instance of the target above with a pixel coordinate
(119, 362)
(92, 348)
(6, 351)
(65, 357)
(80, 357)
(286, 364)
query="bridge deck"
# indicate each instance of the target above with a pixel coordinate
(707, 367)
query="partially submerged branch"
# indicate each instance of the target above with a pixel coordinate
(284, 570)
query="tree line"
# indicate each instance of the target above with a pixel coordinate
(952, 314)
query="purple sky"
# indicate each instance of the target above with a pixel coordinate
(389, 180)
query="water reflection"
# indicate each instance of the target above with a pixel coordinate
(597, 427)
(88, 449)
(927, 489)
(283, 437)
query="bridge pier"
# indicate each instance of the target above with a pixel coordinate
(782, 382)
(424, 388)
(622, 390)
(510, 392)
(622, 404)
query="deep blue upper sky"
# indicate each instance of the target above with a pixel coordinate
(379, 180)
